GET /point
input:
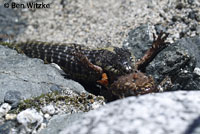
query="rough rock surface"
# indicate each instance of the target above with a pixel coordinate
(178, 60)
(13, 98)
(31, 77)
(54, 126)
(138, 41)
(5, 128)
(163, 113)
(98, 23)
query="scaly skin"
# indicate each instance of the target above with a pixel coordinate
(133, 84)
(87, 65)
(136, 82)
(113, 61)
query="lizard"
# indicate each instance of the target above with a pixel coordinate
(114, 68)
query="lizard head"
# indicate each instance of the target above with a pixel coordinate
(133, 84)
(117, 61)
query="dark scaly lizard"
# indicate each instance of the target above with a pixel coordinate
(120, 72)
(78, 61)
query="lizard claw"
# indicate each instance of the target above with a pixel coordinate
(159, 42)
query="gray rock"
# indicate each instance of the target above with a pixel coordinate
(198, 29)
(54, 125)
(194, 127)
(11, 22)
(192, 46)
(4, 108)
(179, 6)
(30, 118)
(190, 2)
(177, 60)
(7, 127)
(186, 81)
(49, 109)
(29, 76)
(138, 41)
(170, 61)
(160, 113)
(13, 98)
(192, 15)
(198, 17)
(55, 88)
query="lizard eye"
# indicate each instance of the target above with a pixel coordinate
(135, 71)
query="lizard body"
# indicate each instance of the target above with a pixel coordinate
(114, 61)
(87, 65)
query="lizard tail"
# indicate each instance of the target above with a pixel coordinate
(16, 46)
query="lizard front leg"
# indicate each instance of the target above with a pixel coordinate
(157, 46)
(84, 60)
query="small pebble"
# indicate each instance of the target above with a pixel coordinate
(29, 117)
(49, 109)
(198, 29)
(4, 109)
(55, 88)
(11, 116)
(47, 116)
(198, 17)
(197, 71)
(190, 2)
(13, 98)
(96, 105)
(192, 15)
(179, 6)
